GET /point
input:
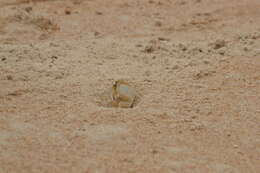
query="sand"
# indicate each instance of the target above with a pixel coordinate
(194, 63)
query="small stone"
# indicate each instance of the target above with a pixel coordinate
(43, 36)
(98, 13)
(246, 49)
(67, 11)
(154, 151)
(54, 57)
(221, 52)
(182, 47)
(194, 117)
(175, 67)
(147, 73)
(3, 59)
(9, 77)
(235, 146)
(182, 2)
(149, 49)
(219, 44)
(206, 62)
(163, 39)
(96, 33)
(160, 3)
(254, 37)
(202, 74)
(147, 80)
(158, 23)
(76, 2)
(54, 44)
(251, 42)
(28, 9)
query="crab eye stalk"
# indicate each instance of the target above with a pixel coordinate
(114, 84)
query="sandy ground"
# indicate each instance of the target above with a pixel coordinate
(194, 63)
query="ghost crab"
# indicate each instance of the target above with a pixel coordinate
(123, 95)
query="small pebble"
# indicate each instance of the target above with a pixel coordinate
(158, 23)
(219, 44)
(67, 11)
(9, 77)
(149, 49)
(98, 13)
